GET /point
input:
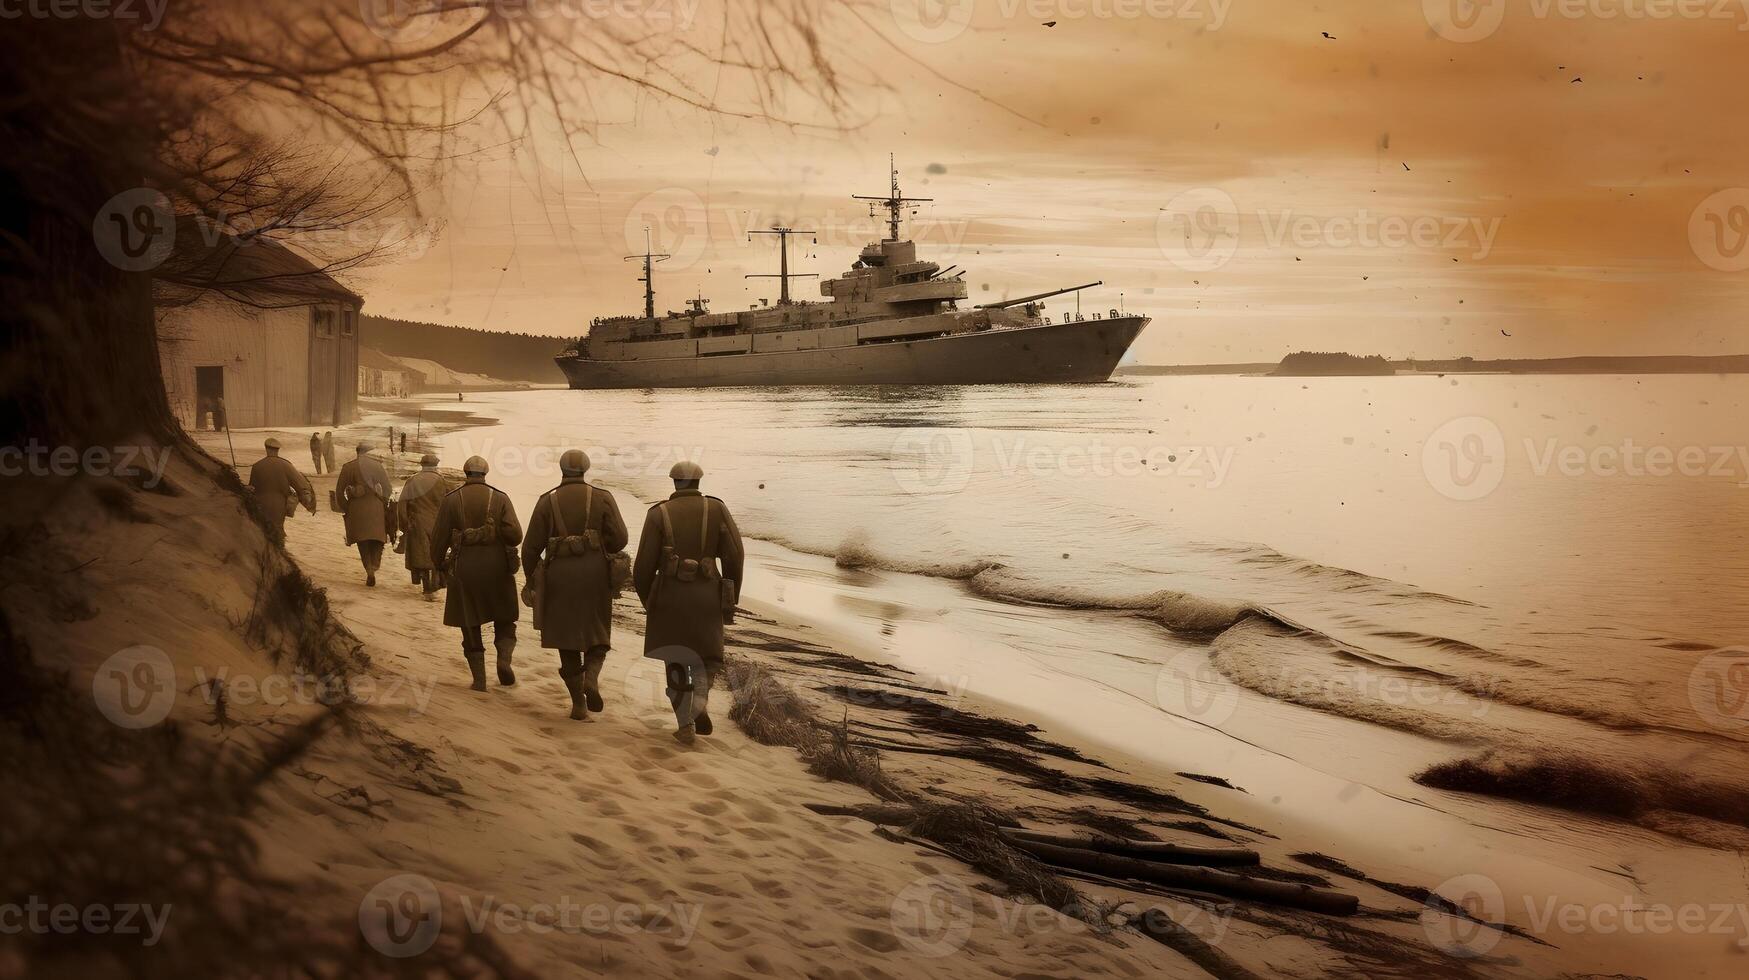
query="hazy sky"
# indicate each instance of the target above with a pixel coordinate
(1531, 177)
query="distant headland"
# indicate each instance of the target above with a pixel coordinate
(1312, 364)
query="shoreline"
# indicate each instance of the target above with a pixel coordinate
(1152, 800)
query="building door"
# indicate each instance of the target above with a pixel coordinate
(209, 395)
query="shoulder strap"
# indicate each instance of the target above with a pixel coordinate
(485, 512)
(557, 514)
(704, 530)
(667, 525)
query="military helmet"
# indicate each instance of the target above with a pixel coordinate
(686, 469)
(475, 465)
(428, 460)
(575, 462)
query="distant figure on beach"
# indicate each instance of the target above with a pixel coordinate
(276, 484)
(458, 396)
(316, 452)
(363, 491)
(688, 574)
(416, 513)
(567, 562)
(328, 450)
(475, 540)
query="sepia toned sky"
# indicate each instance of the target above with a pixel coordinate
(1505, 178)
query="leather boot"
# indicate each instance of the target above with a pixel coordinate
(477, 664)
(506, 645)
(574, 684)
(592, 664)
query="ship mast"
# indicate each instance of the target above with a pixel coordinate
(783, 274)
(649, 258)
(894, 202)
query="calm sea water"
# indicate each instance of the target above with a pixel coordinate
(1314, 587)
(1543, 565)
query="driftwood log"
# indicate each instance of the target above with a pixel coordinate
(1146, 850)
(1225, 883)
(1158, 926)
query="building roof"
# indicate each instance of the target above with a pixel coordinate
(254, 270)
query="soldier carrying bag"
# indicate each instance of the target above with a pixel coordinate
(690, 569)
(562, 543)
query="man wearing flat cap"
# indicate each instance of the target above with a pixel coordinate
(572, 536)
(276, 483)
(474, 541)
(688, 574)
(363, 491)
(416, 513)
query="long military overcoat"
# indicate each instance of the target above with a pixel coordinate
(363, 486)
(684, 619)
(274, 478)
(574, 607)
(482, 577)
(421, 498)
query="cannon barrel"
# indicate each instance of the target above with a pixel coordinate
(1037, 296)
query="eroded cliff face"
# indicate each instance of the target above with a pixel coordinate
(133, 603)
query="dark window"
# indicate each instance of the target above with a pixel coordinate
(323, 319)
(348, 322)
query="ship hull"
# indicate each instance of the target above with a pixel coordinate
(1081, 352)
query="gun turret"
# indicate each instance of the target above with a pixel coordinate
(1005, 304)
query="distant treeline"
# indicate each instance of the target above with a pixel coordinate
(1316, 363)
(510, 356)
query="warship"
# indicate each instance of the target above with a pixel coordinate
(892, 319)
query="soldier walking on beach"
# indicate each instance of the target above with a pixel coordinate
(275, 481)
(475, 541)
(688, 574)
(416, 512)
(316, 452)
(363, 490)
(572, 534)
(328, 450)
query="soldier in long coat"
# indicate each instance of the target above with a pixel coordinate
(316, 452)
(475, 541)
(574, 530)
(275, 481)
(688, 571)
(328, 450)
(416, 513)
(364, 492)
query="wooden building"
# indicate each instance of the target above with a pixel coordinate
(252, 334)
